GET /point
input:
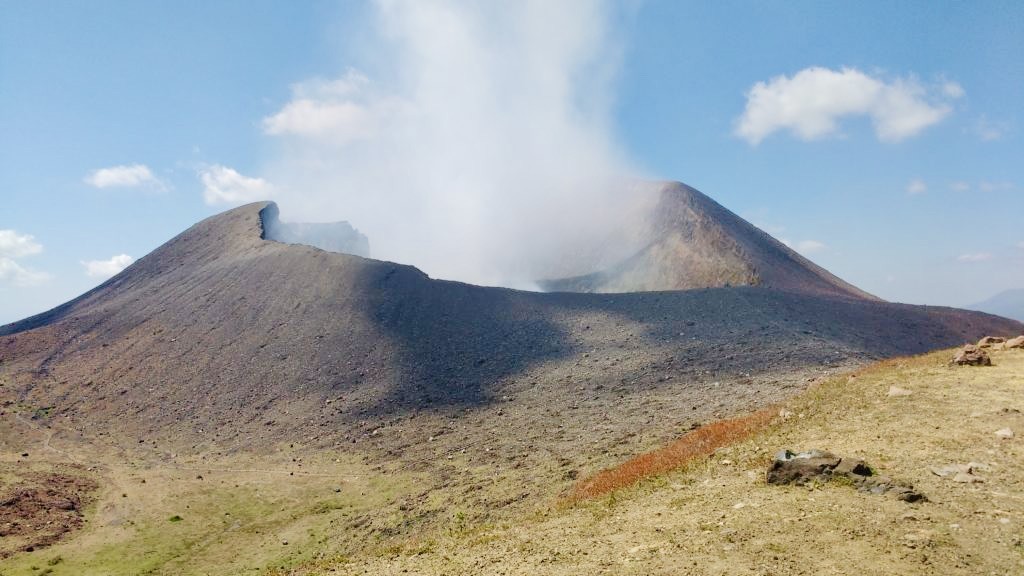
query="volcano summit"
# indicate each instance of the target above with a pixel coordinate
(221, 329)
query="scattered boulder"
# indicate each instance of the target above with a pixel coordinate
(1017, 342)
(1004, 433)
(971, 355)
(897, 391)
(988, 341)
(801, 468)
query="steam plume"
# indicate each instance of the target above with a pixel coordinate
(480, 149)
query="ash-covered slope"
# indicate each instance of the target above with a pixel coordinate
(222, 330)
(690, 241)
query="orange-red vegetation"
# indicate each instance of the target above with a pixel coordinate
(699, 443)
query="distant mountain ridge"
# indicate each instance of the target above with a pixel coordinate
(1008, 303)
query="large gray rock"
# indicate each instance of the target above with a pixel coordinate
(801, 468)
(820, 466)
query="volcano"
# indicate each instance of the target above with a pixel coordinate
(689, 241)
(222, 331)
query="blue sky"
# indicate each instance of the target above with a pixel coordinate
(882, 141)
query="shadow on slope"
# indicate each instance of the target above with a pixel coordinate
(219, 329)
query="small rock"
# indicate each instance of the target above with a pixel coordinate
(1004, 433)
(949, 470)
(852, 466)
(907, 494)
(964, 473)
(917, 539)
(897, 391)
(967, 478)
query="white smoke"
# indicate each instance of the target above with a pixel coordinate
(481, 146)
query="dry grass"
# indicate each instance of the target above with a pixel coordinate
(718, 517)
(699, 443)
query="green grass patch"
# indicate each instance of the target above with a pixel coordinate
(225, 524)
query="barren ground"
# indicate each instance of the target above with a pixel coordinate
(349, 516)
(719, 516)
(245, 404)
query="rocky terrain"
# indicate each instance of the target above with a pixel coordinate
(224, 355)
(221, 334)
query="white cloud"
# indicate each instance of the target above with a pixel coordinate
(14, 246)
(953, 90)
(352, 83)
(974, 257)
(11, 271)
(134, 176)
(917, 186)
(223, 185)
(995, 186)
(107, 268)
(989, 131)
(315, 118)
(811, 102)
(984, 186)
(807, 247)
(341, 110)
